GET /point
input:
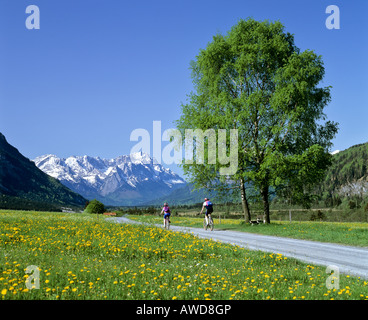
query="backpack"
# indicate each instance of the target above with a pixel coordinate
(209, 206)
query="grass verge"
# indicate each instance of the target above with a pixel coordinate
(348, 233)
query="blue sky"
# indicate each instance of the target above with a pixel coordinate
(97, 70)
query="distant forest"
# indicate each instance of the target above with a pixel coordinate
(348, 167)
(16, 203)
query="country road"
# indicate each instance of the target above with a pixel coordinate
(350, 260)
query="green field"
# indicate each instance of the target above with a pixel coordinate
(349, 233)
(81, 256)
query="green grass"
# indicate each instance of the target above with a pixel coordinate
(348, 233)
(82, 256)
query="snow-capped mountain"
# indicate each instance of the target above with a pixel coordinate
(125, 180)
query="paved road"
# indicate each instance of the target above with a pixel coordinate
(350, 260)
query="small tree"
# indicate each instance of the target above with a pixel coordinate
(95, 206)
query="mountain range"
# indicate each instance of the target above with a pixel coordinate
(50, 182)
(134, 179)
(24, 186)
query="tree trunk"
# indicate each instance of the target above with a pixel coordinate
(266, 204)
(244, 201)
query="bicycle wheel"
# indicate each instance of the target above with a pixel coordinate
(167, 224)
(211, 224)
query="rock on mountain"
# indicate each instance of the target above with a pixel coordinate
(125, 180)
(24, 186)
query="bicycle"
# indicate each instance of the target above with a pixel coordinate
(167, 223)
(210, 223)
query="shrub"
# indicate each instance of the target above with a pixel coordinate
(319, 216)
(95, 206)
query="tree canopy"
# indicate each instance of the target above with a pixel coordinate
(256, 81)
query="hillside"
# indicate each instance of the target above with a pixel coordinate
(24, 186)
(348, 174)
(180, 196)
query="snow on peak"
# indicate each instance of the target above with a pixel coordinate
(140, 158)
(94, 170)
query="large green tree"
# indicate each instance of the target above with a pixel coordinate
(255, 80)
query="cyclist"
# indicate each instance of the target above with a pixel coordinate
(209, 208)
(166, 211)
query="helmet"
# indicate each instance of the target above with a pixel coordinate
(166, 204)
(205, 199)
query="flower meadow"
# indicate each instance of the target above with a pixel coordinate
(82, 256)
